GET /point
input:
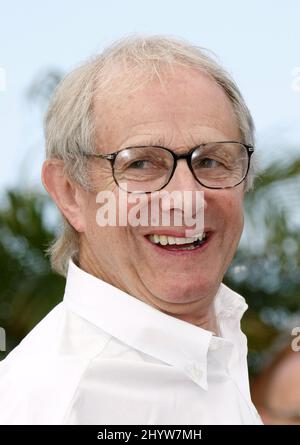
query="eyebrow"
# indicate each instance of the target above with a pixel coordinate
(161, 141)
(151, 141)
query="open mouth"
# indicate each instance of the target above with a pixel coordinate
(178, 243)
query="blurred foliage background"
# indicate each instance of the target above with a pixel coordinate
(265, 270)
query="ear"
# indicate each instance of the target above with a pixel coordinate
(65, 193)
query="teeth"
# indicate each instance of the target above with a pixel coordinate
(185, 240)
(172, 240)
(164, 239)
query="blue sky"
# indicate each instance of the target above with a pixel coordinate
(257, 41)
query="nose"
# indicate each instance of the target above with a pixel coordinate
(183, 180)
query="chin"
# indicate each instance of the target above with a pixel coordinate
(184, 291)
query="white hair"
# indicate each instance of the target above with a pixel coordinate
(133, 61)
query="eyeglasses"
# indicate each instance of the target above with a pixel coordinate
(146, 169)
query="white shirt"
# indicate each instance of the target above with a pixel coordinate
(102, 356)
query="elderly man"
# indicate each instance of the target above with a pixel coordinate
(146, 332)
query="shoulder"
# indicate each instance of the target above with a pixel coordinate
(39, 378)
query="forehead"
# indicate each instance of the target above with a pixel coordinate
(185, 108)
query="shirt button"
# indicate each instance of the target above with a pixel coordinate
(216, 343)
(195, 371)
(198, 373)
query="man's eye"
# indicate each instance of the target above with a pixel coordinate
(209, 163)
(141, 164)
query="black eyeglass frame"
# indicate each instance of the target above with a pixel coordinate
(188, 156)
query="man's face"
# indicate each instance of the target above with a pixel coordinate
(189, 110)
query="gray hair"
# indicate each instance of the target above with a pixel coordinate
(70, 123)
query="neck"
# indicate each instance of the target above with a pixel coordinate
(199, 312)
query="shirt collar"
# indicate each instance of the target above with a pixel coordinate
(145, 328)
